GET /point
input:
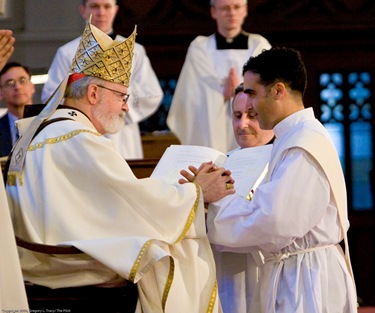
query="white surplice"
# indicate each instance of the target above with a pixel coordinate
(294, 219)
(12, 289)
(145, 94)
(198, 114)
(76, 188)
(237, 275)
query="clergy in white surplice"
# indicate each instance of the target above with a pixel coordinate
(144, 85)
(298, 216)
(200, 112)
(68, 184)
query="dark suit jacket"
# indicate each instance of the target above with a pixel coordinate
(5, 136)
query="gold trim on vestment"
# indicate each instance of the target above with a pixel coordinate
(211, 305)
(191, 217)
(13, 176)
(169, 282)
(135, 267)
(70, 135)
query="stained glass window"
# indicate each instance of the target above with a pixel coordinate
(347, 115)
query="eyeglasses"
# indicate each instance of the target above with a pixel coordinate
(228, 8)
(11, 83)
(124, 96)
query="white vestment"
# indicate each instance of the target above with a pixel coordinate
(12, 289)
(237, 276)
(145, 94)
(75, 187)
(198, 114)
(295, 218)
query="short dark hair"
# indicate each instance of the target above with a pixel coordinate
(279, 64)
(10, 65)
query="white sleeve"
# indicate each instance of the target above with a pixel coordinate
(285, 208)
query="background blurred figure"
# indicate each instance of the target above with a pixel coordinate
(237, 273)
(200, 112)
(16, 90)
(12, 289)
(145, 90)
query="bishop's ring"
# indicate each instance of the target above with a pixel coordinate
(229, 185)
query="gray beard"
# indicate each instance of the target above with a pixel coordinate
(110, 122)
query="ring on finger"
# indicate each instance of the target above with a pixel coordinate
(229, 186)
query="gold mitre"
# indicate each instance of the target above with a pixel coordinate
(97, 55)
(100, 56)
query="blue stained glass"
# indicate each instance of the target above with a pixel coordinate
(359, 124)
(331, 94)
(360, 94)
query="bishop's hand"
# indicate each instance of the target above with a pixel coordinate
(215, 182)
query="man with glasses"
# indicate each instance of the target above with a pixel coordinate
(67, 183)
(145, 88)
(16, 90)
(124, 96)
(200, 113)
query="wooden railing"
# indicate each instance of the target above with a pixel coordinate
(143, 168)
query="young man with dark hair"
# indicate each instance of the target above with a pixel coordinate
(298, 214)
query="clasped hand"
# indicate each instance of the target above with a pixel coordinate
(215, 182)
(6, 46)
(230, 84)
